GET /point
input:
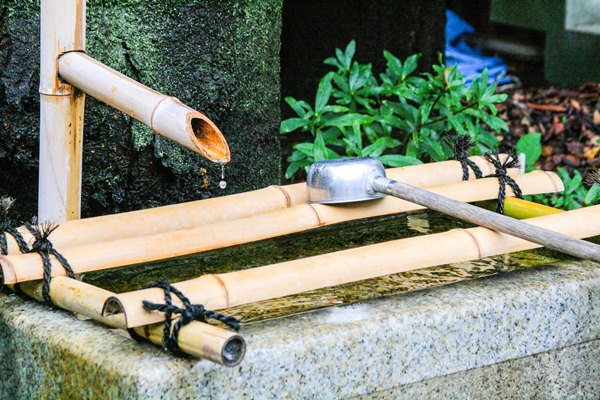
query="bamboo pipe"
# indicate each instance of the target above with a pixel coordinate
(62, 27)
(166, 115)
(197, 339)
(201, 212)
(283, 279)
(119, 253)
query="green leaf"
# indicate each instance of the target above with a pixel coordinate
(434, 149)
(319, 149)
(379, 146)
(531, 145)
(348, 120)
(410, 65)
(295, 166)
(333, 61)
(335, 109)
(574, 183)
(349, 53)
(397, 160)
(393, 63)
(296, 106)
(305, 148)
(323, 93)
(593, 195)
(357, 137)
(291, 124)
(297, 156)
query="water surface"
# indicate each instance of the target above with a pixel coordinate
(320, 241)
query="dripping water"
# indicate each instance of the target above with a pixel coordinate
(222, 182)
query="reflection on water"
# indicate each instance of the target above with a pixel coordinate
(319, 241)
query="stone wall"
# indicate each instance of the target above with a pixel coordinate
(220, 57)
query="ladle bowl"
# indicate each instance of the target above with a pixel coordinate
(344, 180)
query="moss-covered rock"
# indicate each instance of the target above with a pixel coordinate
(220, 57)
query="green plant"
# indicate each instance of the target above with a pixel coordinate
(575, 193)
(399, 117)
(572, 197)
(593, 195)
(530, 144)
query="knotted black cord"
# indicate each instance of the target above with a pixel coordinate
(190, 312)
(503, 177)
(461, 147)
(5, 205)
(43, 246)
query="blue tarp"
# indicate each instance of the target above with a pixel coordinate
(469, 59)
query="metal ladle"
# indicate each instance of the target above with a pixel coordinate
(358, 179)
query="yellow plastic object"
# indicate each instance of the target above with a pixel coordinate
(521, 209)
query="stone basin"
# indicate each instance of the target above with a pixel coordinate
(511, 326)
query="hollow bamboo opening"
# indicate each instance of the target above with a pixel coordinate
(209, 138)
(233, 351)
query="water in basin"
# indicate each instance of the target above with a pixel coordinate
(320, 241)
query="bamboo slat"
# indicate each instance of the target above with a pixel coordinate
(119, 253)
(283, 279)
(201, 212)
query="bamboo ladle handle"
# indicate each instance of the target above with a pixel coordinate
(498, 222)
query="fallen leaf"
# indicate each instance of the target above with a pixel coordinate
(546, 107)
(591, 152)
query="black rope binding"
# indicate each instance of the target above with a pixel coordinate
(5, 205)
(190, 312)
(461, 147)
(43, 246)
(503, 178)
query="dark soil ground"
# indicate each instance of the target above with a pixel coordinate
(567, 118)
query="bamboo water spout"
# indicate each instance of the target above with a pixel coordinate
(166, 115)
(66, 75)
(283, 279)
(119, 253)
(201, 212)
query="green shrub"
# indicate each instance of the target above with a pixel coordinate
(399, 117)
(575, 194)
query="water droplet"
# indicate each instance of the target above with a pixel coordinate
(222, 182)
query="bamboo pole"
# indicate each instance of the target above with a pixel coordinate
(166, 115)
(201, 212)
(61, 112)
(197, 339)
(287, 278)
(119, 253)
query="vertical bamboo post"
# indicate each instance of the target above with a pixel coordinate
(61, 112)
